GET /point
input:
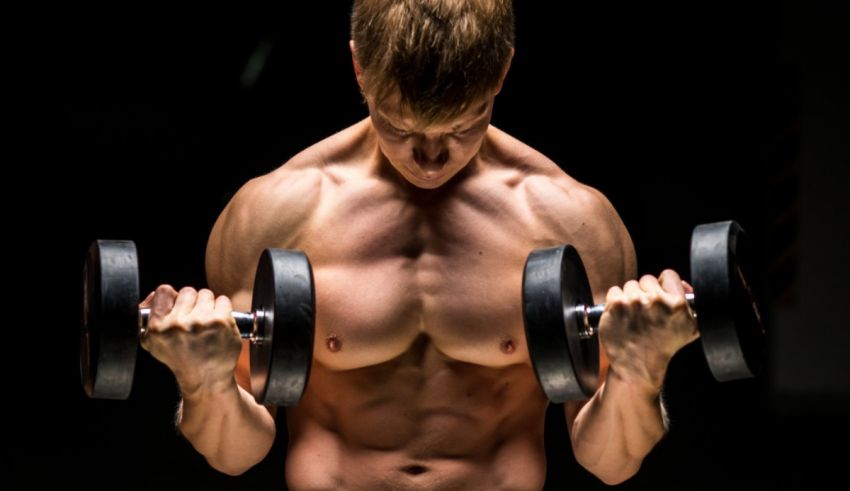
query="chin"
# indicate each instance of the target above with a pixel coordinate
(423, 181)
(427, 184)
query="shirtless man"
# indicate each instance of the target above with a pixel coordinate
(418, 221)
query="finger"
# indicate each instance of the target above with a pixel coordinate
(185, 301)
(223, 306)
(205, 301)
(688, 287)
(614, 294)
(632, 292)
(148, 301)
(674, 288)
(649, 284)
(658, 301)
(163, 301)
(672, 283)
(224, 310)
(614, 299)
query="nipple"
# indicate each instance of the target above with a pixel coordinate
(508, 346)
(334, 343)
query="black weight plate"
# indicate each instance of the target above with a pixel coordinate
(555, 289)
(284, 302)
(109, 336)
(731, 328)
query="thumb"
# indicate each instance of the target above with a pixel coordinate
(148, 301)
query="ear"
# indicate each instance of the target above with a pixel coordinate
(358, 71)
(504, 72)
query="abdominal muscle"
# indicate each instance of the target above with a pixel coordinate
(419, 421)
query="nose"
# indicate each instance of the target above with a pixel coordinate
(430, 150)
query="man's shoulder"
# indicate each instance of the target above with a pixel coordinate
(546, 186)
(292, 189)
(563, 209)
(554, 193)
(272, 210)
(296, 185)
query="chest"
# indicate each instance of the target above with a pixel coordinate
(388, 272)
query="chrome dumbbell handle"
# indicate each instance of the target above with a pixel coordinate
(245, 321)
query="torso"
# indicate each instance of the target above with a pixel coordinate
(421, 377)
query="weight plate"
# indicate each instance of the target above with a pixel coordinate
(555, 290)
(109, 336)
(282, 351)
(730, 325)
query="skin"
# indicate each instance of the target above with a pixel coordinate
(421, 376)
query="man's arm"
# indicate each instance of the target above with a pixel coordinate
(222, 421)
(613, 431)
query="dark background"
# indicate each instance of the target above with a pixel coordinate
(145, 121)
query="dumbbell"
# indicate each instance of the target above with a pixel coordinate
(561, 321)
(280, 326)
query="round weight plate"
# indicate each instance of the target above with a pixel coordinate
(285, 306)
(730, 326)
(555, 289)
(109, 336)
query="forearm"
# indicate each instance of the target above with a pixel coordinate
(617, 428)
(227, 427)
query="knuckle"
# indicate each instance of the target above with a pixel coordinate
(192, 324)
(195, 325)
(166, 328)
(659, 307)
(221, 319)
(164, 289)
(187, 290)
(616, 308)
(634, 302)
(204, 322)
(653, 300)
(156, 324)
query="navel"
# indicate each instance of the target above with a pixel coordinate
(333, 343)
(414, 470)
(508, 346)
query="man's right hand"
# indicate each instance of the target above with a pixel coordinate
(194, 334)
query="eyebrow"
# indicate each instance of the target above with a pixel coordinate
(386, 118)
(482, 108)
(475, 115)
(395, 123)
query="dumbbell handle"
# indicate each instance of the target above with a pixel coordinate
(245, 321)
(593, 313)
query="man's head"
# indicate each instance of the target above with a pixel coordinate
(429, 70)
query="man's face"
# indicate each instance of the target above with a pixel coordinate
(428, 157)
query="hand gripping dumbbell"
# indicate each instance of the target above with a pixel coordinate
(280, 326)
(561, 321)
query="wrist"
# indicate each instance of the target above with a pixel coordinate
(644, 379)
(196, 391)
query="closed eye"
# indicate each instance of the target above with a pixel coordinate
(398, 131)
(463, 133)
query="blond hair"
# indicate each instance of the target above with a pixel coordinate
(437, 55)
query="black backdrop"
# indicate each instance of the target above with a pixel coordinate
(145, 122)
